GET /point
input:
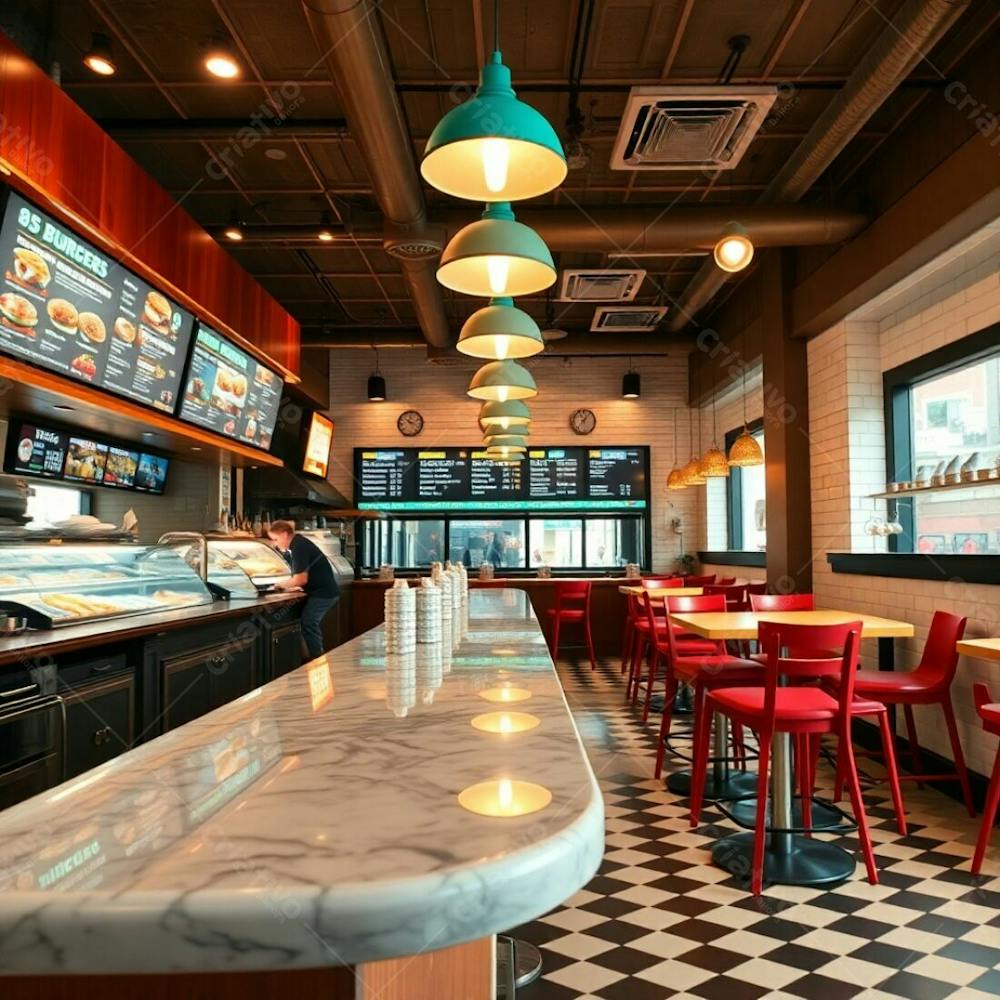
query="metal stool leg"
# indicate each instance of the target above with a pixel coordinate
(518, 965)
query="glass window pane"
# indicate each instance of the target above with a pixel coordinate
(497, 542)
(414, 543)
(614, 541)
(49, 504)
(754, 512)
(556, 542)
(956, 416)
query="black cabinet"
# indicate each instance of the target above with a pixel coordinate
(285, 648)
(195, 683)
(100, 722)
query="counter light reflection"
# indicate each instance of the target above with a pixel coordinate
(504, 798)
(505, 722)
(507, 693)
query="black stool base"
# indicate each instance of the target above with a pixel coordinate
(735, 785)
(808, 862)
(826, 817)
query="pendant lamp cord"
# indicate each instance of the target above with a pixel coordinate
(375, 349)
(744, 394)
(496, 26)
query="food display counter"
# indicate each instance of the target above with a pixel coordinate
(238, 568)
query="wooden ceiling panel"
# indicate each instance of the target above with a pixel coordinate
(283, 47)
(630, 39)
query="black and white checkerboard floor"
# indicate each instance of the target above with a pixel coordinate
(660, 920)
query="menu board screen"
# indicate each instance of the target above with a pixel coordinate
(383, 474)
(85, 461)
(443, 474)
(71, 308)
(489, 480)
(617, 472)
(121, 467)
(151, 474)
(555, 473)
(230, 392)
(39, 452)
(317, 457)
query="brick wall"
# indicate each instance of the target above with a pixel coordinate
(940, 304)
(438, 392)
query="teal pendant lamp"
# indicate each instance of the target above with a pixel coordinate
(500, 381)
(499, 331)
(504, 416)
(496, 256)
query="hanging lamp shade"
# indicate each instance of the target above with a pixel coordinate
(376, 387)
(713, 464)
(504, 416)
(500, 330)
(692, 473)
(501, 454)
(675, 479)
(494, 147)
(496, 256)
(500, 381)
(513, 442)
(745, 451)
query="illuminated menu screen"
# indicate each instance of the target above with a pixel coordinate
(618, 473)
(72, 308)
(555, 474)
(547, 478)
(230, 392)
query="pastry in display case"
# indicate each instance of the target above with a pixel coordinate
(69, 583)
(237, 567)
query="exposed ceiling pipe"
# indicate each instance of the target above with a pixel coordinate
(355, 55)
(912, 32)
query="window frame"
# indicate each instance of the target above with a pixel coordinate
(734, 490)
(897, 396)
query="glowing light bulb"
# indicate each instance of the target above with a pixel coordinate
(501, 344)
(733, 252)
(502, 391)
(496, 159)
(504, 422)
(505, 726)
(497, 271)
(505, 793)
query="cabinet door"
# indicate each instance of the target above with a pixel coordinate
(100, 723)
(233, 670)
(286, 648)
(186, 688)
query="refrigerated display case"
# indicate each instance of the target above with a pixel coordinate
(74, 582)
(237, 567)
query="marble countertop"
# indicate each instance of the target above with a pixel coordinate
(315, 821)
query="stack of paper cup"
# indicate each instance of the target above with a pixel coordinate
(430, 675)
(401, 683)
(428, 613)
(400, 618)
(446, 583)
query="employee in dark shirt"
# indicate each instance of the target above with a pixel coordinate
(311, 571)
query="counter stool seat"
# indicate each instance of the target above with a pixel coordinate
(791, 704)
(568, 614)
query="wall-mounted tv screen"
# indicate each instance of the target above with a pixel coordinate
(318, 443)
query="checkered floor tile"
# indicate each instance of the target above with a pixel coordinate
(661, 920)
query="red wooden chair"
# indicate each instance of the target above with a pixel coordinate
(725, 581)
(782, 602)
(735, 595)
(699, 581)
(704, 666)
(989, 712)
(758, 588)
(805, 712)
(929, 684)
(572, 607)
(634, 643)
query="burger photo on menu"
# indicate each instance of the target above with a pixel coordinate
(229, 392)
(85, 461)
(63, 315)
(31, 270)
(18, 313)
(158, 313)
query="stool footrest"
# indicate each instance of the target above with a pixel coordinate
(835, 821)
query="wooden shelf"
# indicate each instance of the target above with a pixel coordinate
(921, 490)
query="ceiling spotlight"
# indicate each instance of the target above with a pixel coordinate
(220, 60)
(98, 57)
(376, 384)
(234, 228)
(325, 236)
(630, 385)
(734, 251)
(275, 153)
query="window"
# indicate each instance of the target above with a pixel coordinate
(611, 542)
(556, 542)
(500, 543)
(943, 412)
(407, 544)
(746, 496)
(49, 504)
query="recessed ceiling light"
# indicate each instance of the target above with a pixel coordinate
(233, 233)
(275, 153)
(98, 57)
(195, 447)
(325, 235)
(220, 60)
(148, 434)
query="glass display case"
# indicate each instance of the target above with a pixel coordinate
(237, 567)
(73, 582)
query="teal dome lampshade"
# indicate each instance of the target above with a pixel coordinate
(500, 381)
(496, 257)
(494, 147)
(506, 443)
(504, 416)
(500, 330)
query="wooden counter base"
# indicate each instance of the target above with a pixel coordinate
(465, 972)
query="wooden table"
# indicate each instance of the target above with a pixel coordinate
(984, 649)
(790, 858)
(662, 591)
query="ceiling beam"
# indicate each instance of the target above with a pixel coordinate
(259, 126)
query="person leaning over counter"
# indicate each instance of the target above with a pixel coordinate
(311, 571)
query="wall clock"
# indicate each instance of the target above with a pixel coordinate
(410, 423)
(582, 421)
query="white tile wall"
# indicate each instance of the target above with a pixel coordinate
(848, 462)
(438, 392)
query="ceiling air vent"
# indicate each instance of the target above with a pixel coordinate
(689, 128)
(627, 319)
(606, 285)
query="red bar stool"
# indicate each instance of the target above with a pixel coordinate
(703, 664)
(929, 684)
(699, 581)
(989, 712)
(757, 589)
(778, 713)
(635, 645)
(572, 607)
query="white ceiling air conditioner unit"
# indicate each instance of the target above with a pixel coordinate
(627, 319)
(600, 285)
(690, 128)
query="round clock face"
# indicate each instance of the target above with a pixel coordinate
(583, 421)
(410, 423)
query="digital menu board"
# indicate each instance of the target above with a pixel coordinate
(71, 308)
(317, 455)
(55, 453)
(549, 478)
(229, 392)
(617, 473)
